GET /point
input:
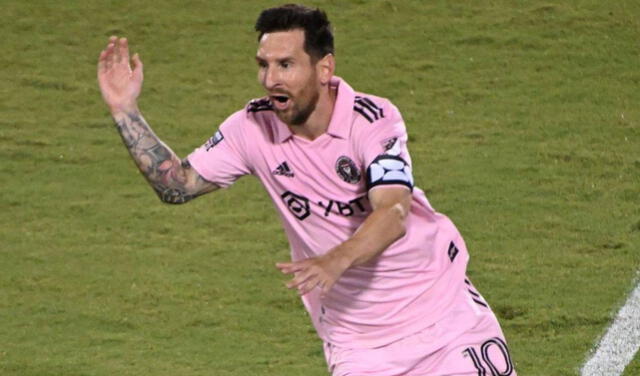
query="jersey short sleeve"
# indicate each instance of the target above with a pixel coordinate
(384, 150)
(223, 158)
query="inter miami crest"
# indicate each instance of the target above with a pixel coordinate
(347, 170)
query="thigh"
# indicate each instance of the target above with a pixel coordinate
(481, 351)
(384, 361)
(468, 341)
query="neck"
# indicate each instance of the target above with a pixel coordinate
(318, 122)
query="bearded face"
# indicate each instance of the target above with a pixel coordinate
(289, 75)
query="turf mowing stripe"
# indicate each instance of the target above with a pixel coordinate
(620, 342)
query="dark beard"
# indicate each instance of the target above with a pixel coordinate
(300, 117)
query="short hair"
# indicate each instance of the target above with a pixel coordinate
(318, 38)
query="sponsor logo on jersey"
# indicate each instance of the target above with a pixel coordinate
(347, 170)
(297, 205)
(358, 205)
(283, 170)
(213, 141)
(300, 206)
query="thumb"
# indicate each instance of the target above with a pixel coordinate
(137, 67)
(325, 290)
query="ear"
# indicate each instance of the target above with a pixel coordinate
(326, 67)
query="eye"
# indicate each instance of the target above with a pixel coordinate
(286, 64)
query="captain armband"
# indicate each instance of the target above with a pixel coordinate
(389, 169)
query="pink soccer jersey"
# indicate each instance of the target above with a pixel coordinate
(320, 190)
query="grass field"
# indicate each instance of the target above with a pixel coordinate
(524, 129)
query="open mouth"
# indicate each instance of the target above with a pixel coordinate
(280, 101)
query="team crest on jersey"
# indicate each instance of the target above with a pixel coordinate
(347, 170)
(213, 141)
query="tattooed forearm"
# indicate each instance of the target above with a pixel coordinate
(131, 128)
(162, 168)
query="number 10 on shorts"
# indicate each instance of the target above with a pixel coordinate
(494, 358)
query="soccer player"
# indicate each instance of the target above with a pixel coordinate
(381, 273)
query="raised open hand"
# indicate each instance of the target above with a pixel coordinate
(119, 84)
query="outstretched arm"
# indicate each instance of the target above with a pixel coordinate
(174, 181)
(383, 226)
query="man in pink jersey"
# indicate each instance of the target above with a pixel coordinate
(381, 273)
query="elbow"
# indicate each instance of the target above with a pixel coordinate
(399, 214)
(171, 202)
(401, 231)
(174, 196)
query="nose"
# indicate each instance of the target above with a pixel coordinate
(269, 78)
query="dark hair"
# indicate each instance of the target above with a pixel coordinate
(318, 38)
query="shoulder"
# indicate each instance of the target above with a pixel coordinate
(260, 112)
(377, 125)
(259, 105)
(375, 115)
(251, 109)
(253, 116)
(256, 121)
(373, 109)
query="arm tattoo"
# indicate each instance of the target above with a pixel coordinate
(160, 165)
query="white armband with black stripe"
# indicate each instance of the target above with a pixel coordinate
(389, 169)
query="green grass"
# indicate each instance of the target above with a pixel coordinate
(524, 128)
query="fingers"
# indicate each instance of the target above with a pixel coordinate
(324, 283)
(325, 287)
(106, 59)
(301, 271)
(305, 282)
(308, 286)
(137, 63)
(290, 267)
(123, 50)
(107, 56)
(307, 275)
(117, 52)
(102, 64)
(137, 68)
(301, 277)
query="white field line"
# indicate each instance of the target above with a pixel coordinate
(620, 343)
